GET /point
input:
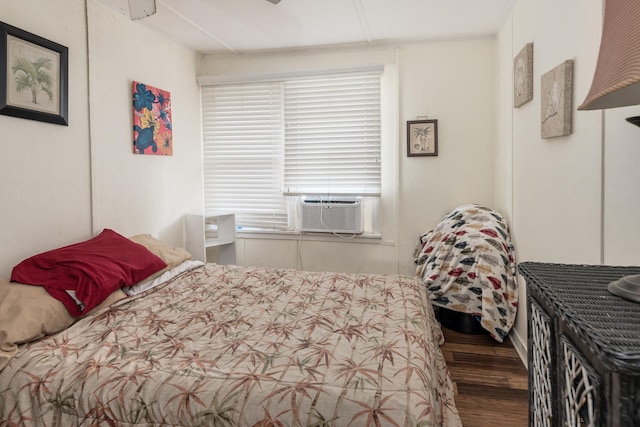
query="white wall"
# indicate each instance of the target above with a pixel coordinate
(449, 81)
(60, 184)
(574, 197)
(621, 195)
(452, 82)
(503, 149)
(135, 193)
(44, 168)
(557, 182)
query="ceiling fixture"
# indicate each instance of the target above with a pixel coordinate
(139, 9)
(274, 1)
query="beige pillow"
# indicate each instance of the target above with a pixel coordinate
(28, 313)
(115, 296)
(170, 255)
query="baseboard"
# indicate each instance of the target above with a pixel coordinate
(520, 346)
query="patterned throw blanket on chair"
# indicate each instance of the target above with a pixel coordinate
(468, 264)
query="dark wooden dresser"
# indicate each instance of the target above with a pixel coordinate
(583, 347)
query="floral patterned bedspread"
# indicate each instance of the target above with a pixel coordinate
(234, 346)
(468, 264)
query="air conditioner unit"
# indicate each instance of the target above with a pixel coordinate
(337, 215)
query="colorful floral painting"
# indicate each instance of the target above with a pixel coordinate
(152, 127)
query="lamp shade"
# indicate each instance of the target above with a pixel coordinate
(616, 82)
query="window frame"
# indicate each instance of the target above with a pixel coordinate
(372, 203)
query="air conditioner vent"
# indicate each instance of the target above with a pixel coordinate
(335, 215)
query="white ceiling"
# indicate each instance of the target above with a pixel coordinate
(242, 26)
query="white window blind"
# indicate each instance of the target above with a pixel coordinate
(243, 152)
(332, 134)
(267, 140)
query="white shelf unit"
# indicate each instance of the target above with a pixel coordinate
(209, 232)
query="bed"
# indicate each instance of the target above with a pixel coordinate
(468, 265)
(205, 344)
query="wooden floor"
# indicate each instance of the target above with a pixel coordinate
(489, 378)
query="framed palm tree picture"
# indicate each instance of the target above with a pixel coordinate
(422, 138)
(33, 76)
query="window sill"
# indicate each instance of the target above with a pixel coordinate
(310, 236)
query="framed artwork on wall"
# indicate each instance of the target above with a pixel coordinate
(556, 100)
(523, 76)
(422, 138)
(34, 83)
(152, 125)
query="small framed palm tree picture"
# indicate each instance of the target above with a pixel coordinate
(422, 138)
(34, 82)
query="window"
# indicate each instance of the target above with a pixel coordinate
(266, 141)
(243, 153)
